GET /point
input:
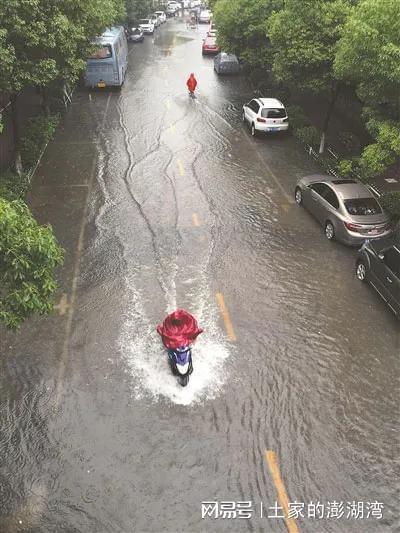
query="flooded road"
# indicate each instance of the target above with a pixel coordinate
(164, 201)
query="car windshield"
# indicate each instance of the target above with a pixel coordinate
(144, 21)
(103, 52)
(136, 31)
(273, 113)
(362, 206)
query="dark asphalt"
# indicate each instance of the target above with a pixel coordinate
(161, 200)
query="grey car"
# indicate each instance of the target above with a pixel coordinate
(378, 263)
(226, 64)
(346, 208)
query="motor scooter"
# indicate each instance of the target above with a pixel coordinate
(180, 361)
(179, 332)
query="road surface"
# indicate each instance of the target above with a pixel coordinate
(163, 201)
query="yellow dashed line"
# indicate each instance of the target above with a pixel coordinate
(270, 457)
(168, 104)
(62, 305)
(225, 315)
(181, 168)
(195, 220)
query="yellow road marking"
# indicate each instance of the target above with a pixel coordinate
(286, 207)
(168, 104)
(195, 220)
(62, 305)
(181, 169)
(68, 325)
(270, 456)
(172, 128)
(225, 315)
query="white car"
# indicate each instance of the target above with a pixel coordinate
(155, 20)
(205, 16)
(172, 9)
(147, 26)
(161, 15)
(175, 5)
(265, 115)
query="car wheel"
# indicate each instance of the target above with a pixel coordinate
(329, 230)
(253, 130)
(361, 271)
(244, 117)
(298, 196)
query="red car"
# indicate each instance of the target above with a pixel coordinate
(210, 46)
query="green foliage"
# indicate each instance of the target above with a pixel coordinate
(375, 159)
(137, 9)
(346, 168)
(304, 35)
(242, 29)
(349, 141)
(38, 133)
(308, 135)
(391, 202)
(12, 186)
(29, 254)
(368, 55)
(297, 117)
(41, 41)
(369, 51)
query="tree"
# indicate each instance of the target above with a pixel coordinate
(242, 29)
(29, 254)
(137, 9)
(368, 55)
(46, 40)
(304, 36)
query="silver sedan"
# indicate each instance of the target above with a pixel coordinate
(346, 208)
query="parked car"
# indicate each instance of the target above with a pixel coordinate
(226, 64)
(161, 15)
(155, 20)
(212, 30)
(346, 208)
(135, 34)
(205, 16)
(171, 10)
(147, 26)
(378, 263)
(267, 115)
(210, 46)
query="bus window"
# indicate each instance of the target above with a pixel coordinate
(103, 52)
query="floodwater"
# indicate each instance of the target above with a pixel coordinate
(164, 201)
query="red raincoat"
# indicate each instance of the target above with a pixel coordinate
(191, 83)
(179, 329)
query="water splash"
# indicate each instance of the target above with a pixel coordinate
(147, 360)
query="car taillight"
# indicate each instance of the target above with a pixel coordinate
(285, 119)
(353, 227)
(261, 119)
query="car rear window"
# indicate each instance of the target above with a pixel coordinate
(362, 206)
(273, 113)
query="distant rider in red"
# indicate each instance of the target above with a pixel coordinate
(191, 83)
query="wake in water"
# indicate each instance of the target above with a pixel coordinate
(148, 362)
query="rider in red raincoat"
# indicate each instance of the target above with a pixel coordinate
(179, 329)
(191, 83)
